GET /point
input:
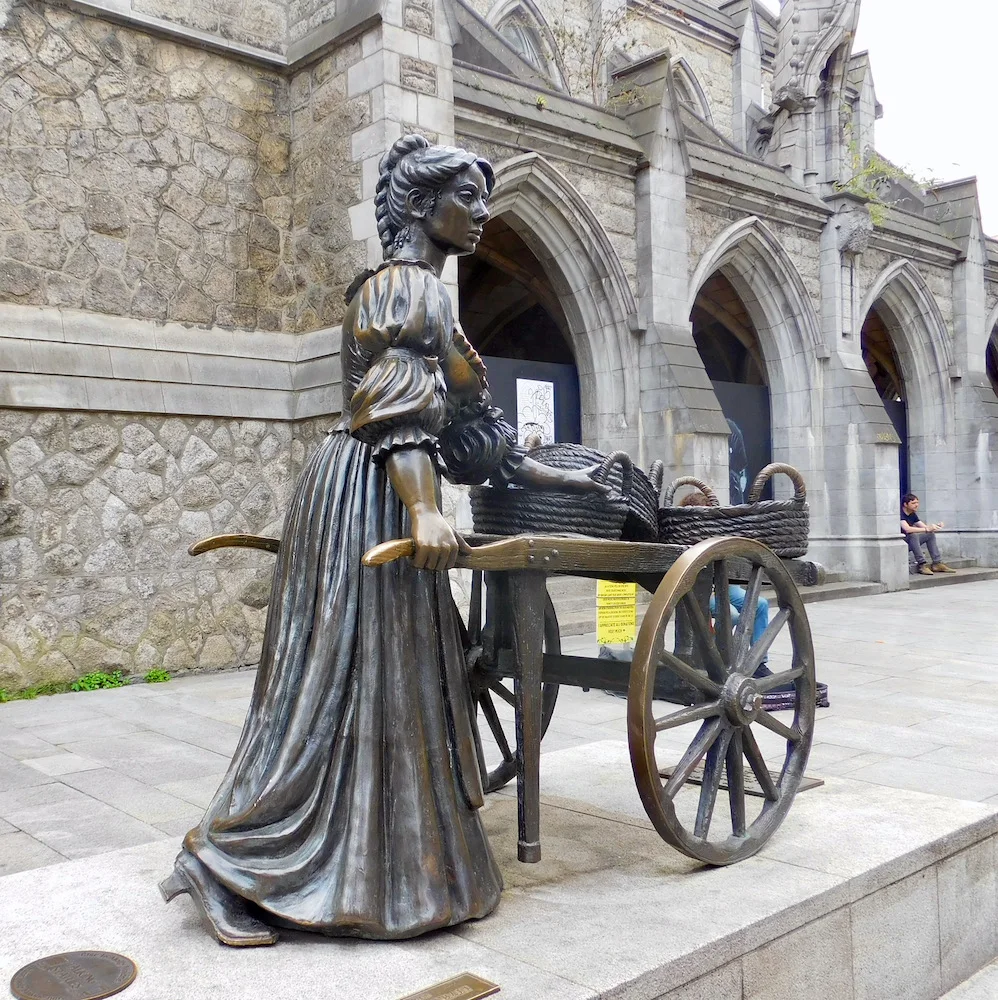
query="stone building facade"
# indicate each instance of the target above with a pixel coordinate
(186, 190)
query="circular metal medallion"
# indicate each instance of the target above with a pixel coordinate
(74, 975)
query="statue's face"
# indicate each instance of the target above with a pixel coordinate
(459, 212)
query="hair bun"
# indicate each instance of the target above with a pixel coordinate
(402, 147)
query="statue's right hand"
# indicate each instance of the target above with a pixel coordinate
(437, 543)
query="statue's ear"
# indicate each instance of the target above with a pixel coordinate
(417, 203)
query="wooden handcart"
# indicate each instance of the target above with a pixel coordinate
(706, 668)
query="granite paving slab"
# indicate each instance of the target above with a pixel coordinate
(17, 744)
(58, 764)
(152, 757)
(137, 799)
(982, 986)
(19, 852)
(72, 823)
(14, 774)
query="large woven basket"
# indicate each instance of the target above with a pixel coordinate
(515, 511)
(641, 523)
(781, 524)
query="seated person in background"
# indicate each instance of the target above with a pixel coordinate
(736, 594)
(917, 533)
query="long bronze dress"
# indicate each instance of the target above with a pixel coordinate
(350, 806)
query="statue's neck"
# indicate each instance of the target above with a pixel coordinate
(419, 246)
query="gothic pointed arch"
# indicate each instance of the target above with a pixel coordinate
(550, 215)
(918, 334)
(991, 352)
(688, 89)
(917, 325)
(750, 243)
(522, 25)
(754, 262)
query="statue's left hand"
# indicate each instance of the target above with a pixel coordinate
(581, 481)
(538, 476)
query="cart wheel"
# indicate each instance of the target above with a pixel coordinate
(728, 713)
(487, 685)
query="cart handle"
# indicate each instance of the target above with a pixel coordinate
(519, 552)
(241, 540)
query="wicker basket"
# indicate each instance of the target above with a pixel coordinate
(641, 523)
(781, 524)
(515, 511)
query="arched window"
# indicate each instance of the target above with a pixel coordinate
(522, 26)
(689, 91)
(523, 38)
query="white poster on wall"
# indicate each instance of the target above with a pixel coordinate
(534, 411)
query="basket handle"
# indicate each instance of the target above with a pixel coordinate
(800, 490)
(711, 496)
(656, 473)
(622, 459)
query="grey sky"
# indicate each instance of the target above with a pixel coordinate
(934, 69)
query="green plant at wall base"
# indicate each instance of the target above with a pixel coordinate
(97, 680)
(157, 676)
(29, 694)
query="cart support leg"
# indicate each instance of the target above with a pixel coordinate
(526, 593)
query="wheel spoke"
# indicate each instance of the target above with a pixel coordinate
(712, 770)
(693, 714)
(774, 725)
(736, 785)
(489, 711)
(746, 618)
(716, 667)
(765, 684)
(702, 742)
(503, 692)
(690, 674)
(758, 765)
(722, 610)
(475, 609)
(758, 650)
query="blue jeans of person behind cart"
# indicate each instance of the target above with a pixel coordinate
(915, 542)
(736, 598)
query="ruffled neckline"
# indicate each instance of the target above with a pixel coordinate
(399, 261)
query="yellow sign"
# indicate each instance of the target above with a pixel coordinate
(616, 612)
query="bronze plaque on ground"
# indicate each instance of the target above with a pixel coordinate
(75, 975)
(463, 987)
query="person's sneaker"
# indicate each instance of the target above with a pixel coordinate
(924, 570)
(941, 568)
(762, 671)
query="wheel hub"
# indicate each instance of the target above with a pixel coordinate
(742, 700)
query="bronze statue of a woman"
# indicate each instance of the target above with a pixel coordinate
(351, 804)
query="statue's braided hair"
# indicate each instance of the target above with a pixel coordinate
(413, 164)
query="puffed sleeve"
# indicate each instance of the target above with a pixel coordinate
(397, 321)
(478, 443)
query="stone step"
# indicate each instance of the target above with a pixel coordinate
(960, 576)
(956, 563)
(836, 591)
